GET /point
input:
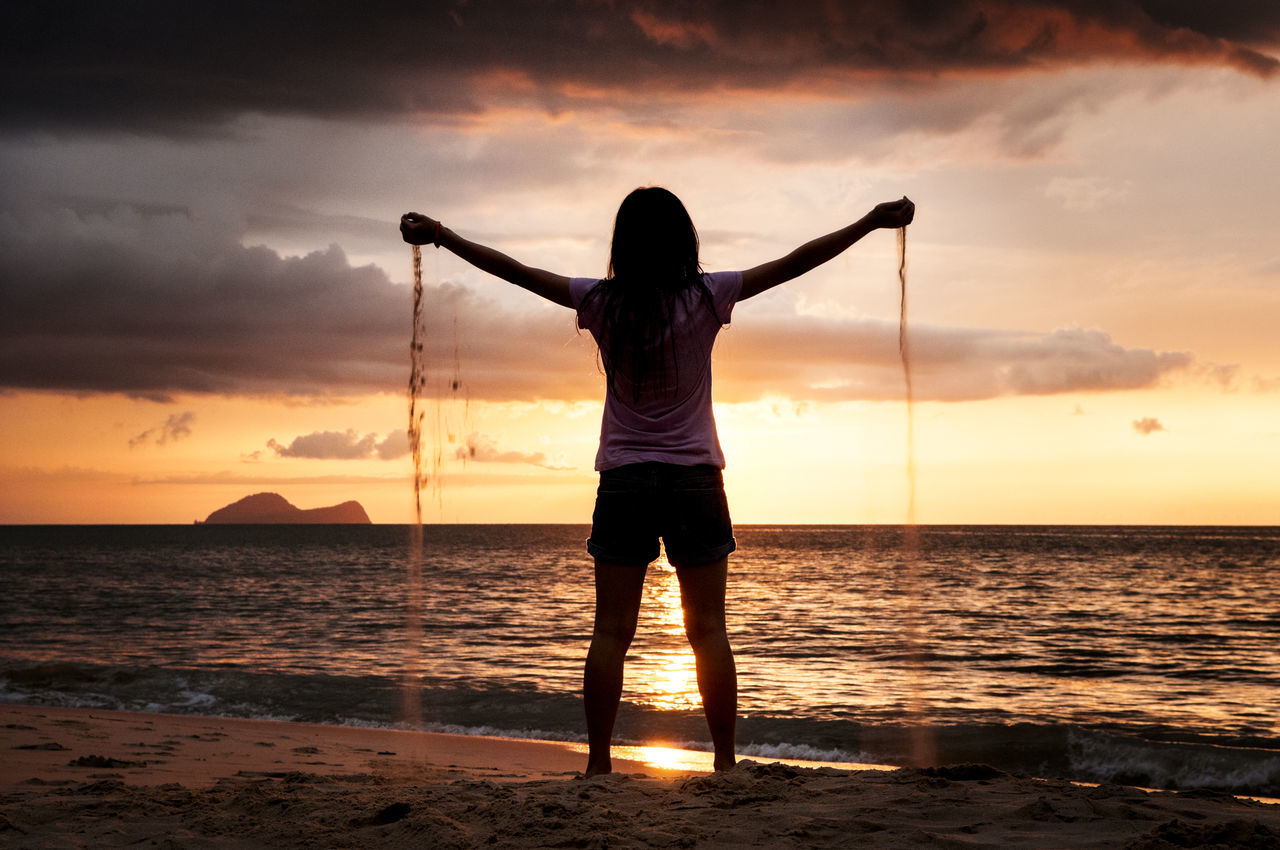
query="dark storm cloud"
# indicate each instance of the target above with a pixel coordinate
(161, 305)
(156, 306)
(1247, 21)
(161, 67)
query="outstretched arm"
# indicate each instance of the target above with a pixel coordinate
(813, 254)
(418, 229)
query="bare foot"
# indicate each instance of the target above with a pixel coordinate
(599, 768)
(724, 764)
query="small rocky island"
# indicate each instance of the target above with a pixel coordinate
(272, 509)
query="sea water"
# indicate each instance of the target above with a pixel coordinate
(1141, 655)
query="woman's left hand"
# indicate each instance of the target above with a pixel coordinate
(418, 229)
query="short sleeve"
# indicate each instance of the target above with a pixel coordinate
(725, 288)
(580, 286)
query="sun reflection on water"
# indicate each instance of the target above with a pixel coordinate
(661, 672)
(698, 761)
(668, 758)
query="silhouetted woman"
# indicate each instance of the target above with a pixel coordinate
(655, 317)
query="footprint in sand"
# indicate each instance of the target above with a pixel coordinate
(47, 745)
(103, 761)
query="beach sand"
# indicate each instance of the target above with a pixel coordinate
(88, 778)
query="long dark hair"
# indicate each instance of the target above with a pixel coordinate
(653, 261)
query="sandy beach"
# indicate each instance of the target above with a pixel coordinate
(88, 778)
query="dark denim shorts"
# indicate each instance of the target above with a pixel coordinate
(640, 502)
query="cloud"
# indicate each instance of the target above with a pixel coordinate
(175, 427)
(1085, 194)
(327, 445)
(1221, 375)
(342, 445)
(229, 478)
(396, 445)
(139, 67)
(1261, 384)
(154, 307)
(1147, 425)
(838, 359)
(466, 478)
(480, 448)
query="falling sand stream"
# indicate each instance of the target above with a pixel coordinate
(411, 696)
(904, 352)
(922, 745)
(445, 423)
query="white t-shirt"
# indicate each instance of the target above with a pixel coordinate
(678, 427)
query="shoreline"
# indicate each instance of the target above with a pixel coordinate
(118, 778)
(199, 750)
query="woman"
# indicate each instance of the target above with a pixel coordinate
(655, 317)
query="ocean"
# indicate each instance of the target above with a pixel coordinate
(1140, 655)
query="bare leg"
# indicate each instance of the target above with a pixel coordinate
(702, 597)
(618, 593)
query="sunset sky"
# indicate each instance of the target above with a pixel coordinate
(205, 294)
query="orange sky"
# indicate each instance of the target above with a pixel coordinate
(205, 295)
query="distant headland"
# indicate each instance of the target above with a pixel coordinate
(272, 508)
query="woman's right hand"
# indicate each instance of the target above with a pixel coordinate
(418, 229)
(894, 214)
